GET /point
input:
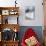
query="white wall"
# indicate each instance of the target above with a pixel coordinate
(38, 21)
(7, 3)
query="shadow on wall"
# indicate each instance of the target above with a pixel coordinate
(37, 29)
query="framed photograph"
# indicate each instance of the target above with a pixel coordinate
(13, 12)
(30, 12)
(5, 12)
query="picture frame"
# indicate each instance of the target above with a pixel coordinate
(5, 12)
(30, 12)
(13, 12)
